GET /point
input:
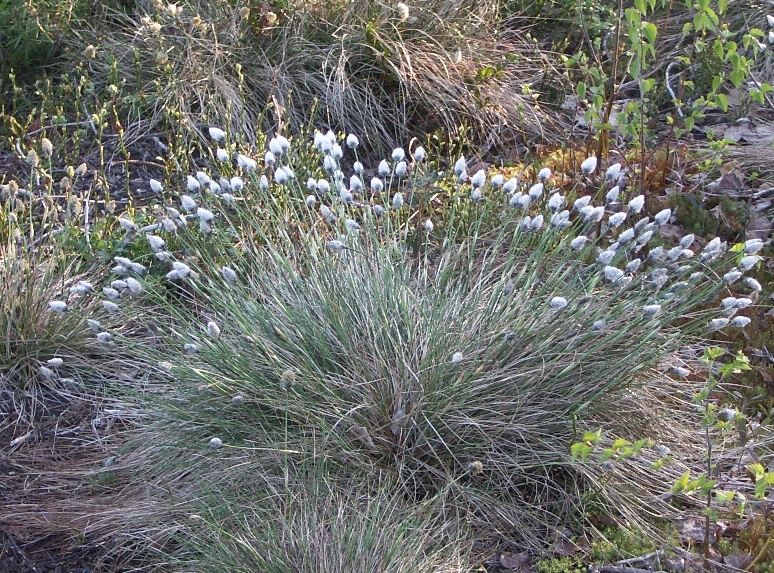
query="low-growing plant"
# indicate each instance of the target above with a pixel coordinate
(295, 326)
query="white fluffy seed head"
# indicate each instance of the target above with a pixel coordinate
(589, 165)
(398, 154)
(156, 243)
(636, 204)
(419, 154)
(246, 163)
(651, 310)
(578, 242)
(612, 173)
(557, 302)
(544, 174)
(155, 185)
(215, 443)
(662, 217)
(478, 179)
(753, 246)
(401, 169)
(384, 168)
(397, 201)
(457, 357)
(217, 134)
(213, 330)
(352, 141)
(57, 306)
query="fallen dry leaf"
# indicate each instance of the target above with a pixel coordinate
(516, 561)
(739, 560)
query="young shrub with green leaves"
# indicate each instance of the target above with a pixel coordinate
(455, 358)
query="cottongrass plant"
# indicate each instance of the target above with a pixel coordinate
(451, 365)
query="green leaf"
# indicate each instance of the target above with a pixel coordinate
(722, 102)
(581, 451)
(650, 31)
(681, 483)
(724, 496)
(737, 77)
(647, 85)
(757, 470)
(581, 91)
(722, 5)
(687, 29)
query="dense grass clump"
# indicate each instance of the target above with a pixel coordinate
(450, 362)
(386, 71)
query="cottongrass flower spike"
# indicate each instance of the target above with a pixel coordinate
(751, 283)
(752, 246)
(578, 242)
(110, 306)
(400, 169)
(460, 166)
(556, 201)
(57, 306)
(478, 179)
(192, 184)
(612, 195)
(510, 186)
(205, 215)
(398, 154)
(352, 141)
(310, 200)
(616, 219)
(681, 372)
(335, 246)
(535, 191)
(55, 362)
(229, 274)
(263, 183)
(544, 174)
(222, 155)
(589, 165)
(419, 154)
(636, 204)
(358, 168)
(476, 195)
(156, 243)
(213, 330)
(155, 185)
(384, 168)
(127, 224)
(217, 134)
(581, 203)
(612, 274)
(748, 262)
(403, 11)
(397, 201)
(662, 217)
(558, 302)
(429, 226)
(651, 310)
(246, 163)
(105, 338)
(613, 172)
(215, 443)
(718, 323)
(457, 357)
(188, 203)
(739, 322)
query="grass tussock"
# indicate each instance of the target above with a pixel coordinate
(356, 66)
(457, 361)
